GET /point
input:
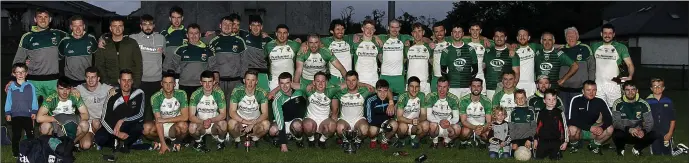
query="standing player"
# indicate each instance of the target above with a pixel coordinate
(481, 47)
(175, 35)
(151, 45)
(248, 110)
(194, 55)
(94, 95)
(475, 112)
(581, 54)
(379, 110)
(207, 113)
(171, 115)
(590, 120)
(281, 53)
(609, 54)
(498, 60)
(526, 52)
(352, 103)
(411, 116)
(288, 109)
(77, 49)
(441, 43)
(505, 97)
(341, 47)
(536, 100)
(254, 57)
(418, 56)
(315, 60)
(322, 110)
(119, 52)
(38, 49)
(442, 109)
(460, 62)
(365, 54)
(70, 108)
(550, 59)
(393, 57)
(227, 48)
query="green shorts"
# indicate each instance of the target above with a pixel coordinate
(334, 80)
(304, 83)
(263, 81)
(44, 88)
(396, 83)
(434, 84)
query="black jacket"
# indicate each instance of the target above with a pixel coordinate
(551, 125)
(116, 109)
(583, 113)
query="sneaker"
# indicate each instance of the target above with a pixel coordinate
(373, 145)
(176, 147)
(321, 144)
(138, 141)
(275, 142)
(596, 150)
(312, 144)
(156, 146)
(682, 147)
(124, 149)
(434, 146)
(237, 145)
(98, 147)
(449, 145)
(573, 149)
(620, 152)
(201, 147)
(220, 146)
(636, 152)
(384, 146)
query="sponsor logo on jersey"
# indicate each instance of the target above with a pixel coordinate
(54, 39)
(459, 64)
(497, 63)
(579, 57)
(546, 66)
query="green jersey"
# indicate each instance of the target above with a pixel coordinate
(281, 57)
(249, 106)
(438, 109)
(169, 107)
(207, 106)
(536, 101)
(77, 52)
(278, 101)
(392, 62)
(342, 50)
(481, 50)
(459, 61)
(352, 104)
(315, 62)
(497, 61)
(56, 106)
(549, 62)
(320, 103)
(476, 111)
(411, 106)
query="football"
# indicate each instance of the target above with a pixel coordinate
(522, 154)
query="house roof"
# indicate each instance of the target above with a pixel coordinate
(651, 18)
(74, 7)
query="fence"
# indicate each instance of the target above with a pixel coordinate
(675, 76)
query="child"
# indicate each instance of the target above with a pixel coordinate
(663, 112)
(498, 137)
(21, 106)
(522, 122)
(551, 134)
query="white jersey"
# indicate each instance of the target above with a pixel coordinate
(248, 107)
(508, 103)
(606, 63)
(313, 64)
(412, 109)
(352, 106)
(170, 108)
(281, 60)
(319, 106)
(366, 63)
(393, 57)
(526, 64)
(341, 50)
(480, 51)
(418, 62)
(437, 52)
(206, 108)
(64, 107)
(439, 111)
(476, 115)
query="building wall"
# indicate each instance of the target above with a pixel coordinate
(302, 17)
(664, 50)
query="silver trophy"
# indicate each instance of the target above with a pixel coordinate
(350, 136)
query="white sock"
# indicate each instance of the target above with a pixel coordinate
(255, 138)
(412, 136)
(373, 140)
(447, 139)
(323, 138)
(357, 140)
(237, 139)
(435, 140)
(217, 138)
(312, 138)
(384, 140)
(199, 140)
(297, 138)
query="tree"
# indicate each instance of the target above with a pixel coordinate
(377, 16)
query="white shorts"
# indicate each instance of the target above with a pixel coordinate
(318, 121)
(166, 129)
(608, 91)
(425, 87)
(352, 122)
(442, 132)
(490, 94)
(208, 130)
(460, 92)
(529, 87)
(272, 84)
(91, 126)
(370, 82)
(288, 126)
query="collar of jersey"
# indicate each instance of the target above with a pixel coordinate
(35, 28)
(567, 45)
(538, 93)
(170, 29)
(636, 98)
(201, 44)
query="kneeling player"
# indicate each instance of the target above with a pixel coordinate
(65, 113)
(443, 114)
(171, 114)
(352, 112)
(248, 110)
(289, 106)
(411, 119)
(380, 110)
(321, 111)
(207, 113)
(475, 112)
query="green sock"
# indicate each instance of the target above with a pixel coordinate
(586, 135)
(594, 144)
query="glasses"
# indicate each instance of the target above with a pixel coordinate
(657, 86)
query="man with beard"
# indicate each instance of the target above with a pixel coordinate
(119, 53)
(609, 54)
(460, 62)
(254, 57)
(550, 59)
(281, 53)
(393, 57)
(475, 111)
(151, 45)
(227, 48)
(526, 52)
(315, 60)
(341, 47)
(122, 118)
(536, 100)
(38, 49)
(632, 120)
(497, 60)
(77, 49)
(441, 43)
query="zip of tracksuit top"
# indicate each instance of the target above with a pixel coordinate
(41, 48)
(630, 113)
(194, 60)
(523, 123)
(584, 113)
(152, 55)
(78, 55)
(227, 61)
(130, 112)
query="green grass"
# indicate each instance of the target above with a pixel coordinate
(266, 153)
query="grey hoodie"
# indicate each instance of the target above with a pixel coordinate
(151, 55)
(94, 101)
(500, 132)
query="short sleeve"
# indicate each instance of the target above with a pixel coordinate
(236, 95)
(327, 55)
(303, 57)
(463, 104)
(487, 106)
(50, 102)
(428, 102)
(261, 96)
(565, 59)
(515, 61)
(453, 102)
(622, 50)
(182, 99)
(402, 101)
(195, 97)
(155, 102)
(220, 99)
